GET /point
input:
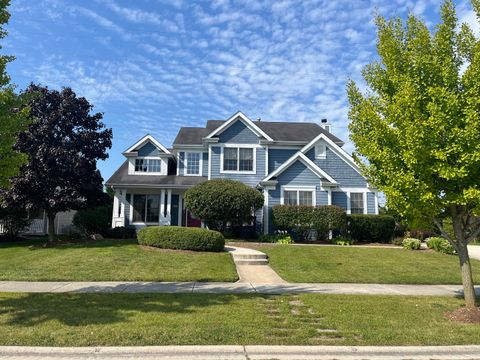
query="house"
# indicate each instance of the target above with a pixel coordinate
(289, 162)
(39, 223)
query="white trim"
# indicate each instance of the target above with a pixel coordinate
(365, 203)
(143, 140)
(169, 205)
(209, 161)
(239, 146)
(265, 211)
(200, 164)
(375, 197)
(286, 147)
(306, 161)
(266, 160)
(337, 149)
(298, 188)
(178, 163)
(163, 166)
(329, 196)
(349, 204)
(242, 117)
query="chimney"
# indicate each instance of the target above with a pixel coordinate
(259, 119)
(325, 125)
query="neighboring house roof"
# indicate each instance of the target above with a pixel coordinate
(121, 177)
(277, 130)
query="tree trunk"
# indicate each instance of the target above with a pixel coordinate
(51, 227)
(467, 280)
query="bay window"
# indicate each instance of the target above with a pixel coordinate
(238, 159)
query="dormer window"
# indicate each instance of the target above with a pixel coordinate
(148, 165)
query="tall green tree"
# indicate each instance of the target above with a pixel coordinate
(417, 128)
(13, 115)
(63, 143)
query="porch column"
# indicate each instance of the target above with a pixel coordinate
(118, 215)
(169, 206)
(162, 207)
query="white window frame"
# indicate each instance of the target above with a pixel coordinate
(362, 190)
(284, 188)
(163, 164)
(364, 203)
(239, 146)
(185, 163)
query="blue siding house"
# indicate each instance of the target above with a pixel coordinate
(289, 162)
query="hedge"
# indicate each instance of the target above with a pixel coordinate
(181, 238)
(371, 228)
(299, 219)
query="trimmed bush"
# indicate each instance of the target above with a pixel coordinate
(120, 232)
(220, 202)
(343, 241)
(371, 228)
(276, 238)
(181, 238)
(411, 244)
(301, 219)
(95, 220)
(441, 245)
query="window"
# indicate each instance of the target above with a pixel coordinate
(146, 208)
(238, 159)
(321, 150)
(298, 197)
(356, 203)
(147, 165)
(193, 163)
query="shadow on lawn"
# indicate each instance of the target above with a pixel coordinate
(39, 244)
(92, 309)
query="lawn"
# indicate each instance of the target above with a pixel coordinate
(110, 260)
(365, 265)
(164, 319)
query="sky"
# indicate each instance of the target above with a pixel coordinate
(152, 66)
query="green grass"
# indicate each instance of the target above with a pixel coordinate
(365, 265)
(110, 260)
(180, 319)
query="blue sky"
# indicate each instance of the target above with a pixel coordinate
(153, 66)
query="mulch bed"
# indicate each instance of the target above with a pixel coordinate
(465, 315)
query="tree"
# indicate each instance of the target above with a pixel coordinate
(220, 201)
(13, 116)
(417, 131)
(63, 144)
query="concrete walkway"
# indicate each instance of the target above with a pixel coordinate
(228, 288)
(252, 266)
(249, 352)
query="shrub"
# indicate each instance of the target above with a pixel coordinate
(301, 219)
(181, 238)
(120, 232)
(276, 238)
(371, 228)
(220, 201)
(12, 220)
(411, 244)
(397, 241)
(343, 241)
(422, 234)
(95, 220)
(441, 245)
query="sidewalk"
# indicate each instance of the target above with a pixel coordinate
(228, 288)
(239, 352)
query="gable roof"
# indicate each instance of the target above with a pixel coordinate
(283, 131)
(334, 147)
(307, 162)
(143, 141)
(239, 116)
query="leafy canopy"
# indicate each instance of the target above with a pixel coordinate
(64, 144)
(418, 126)
(13, 116)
